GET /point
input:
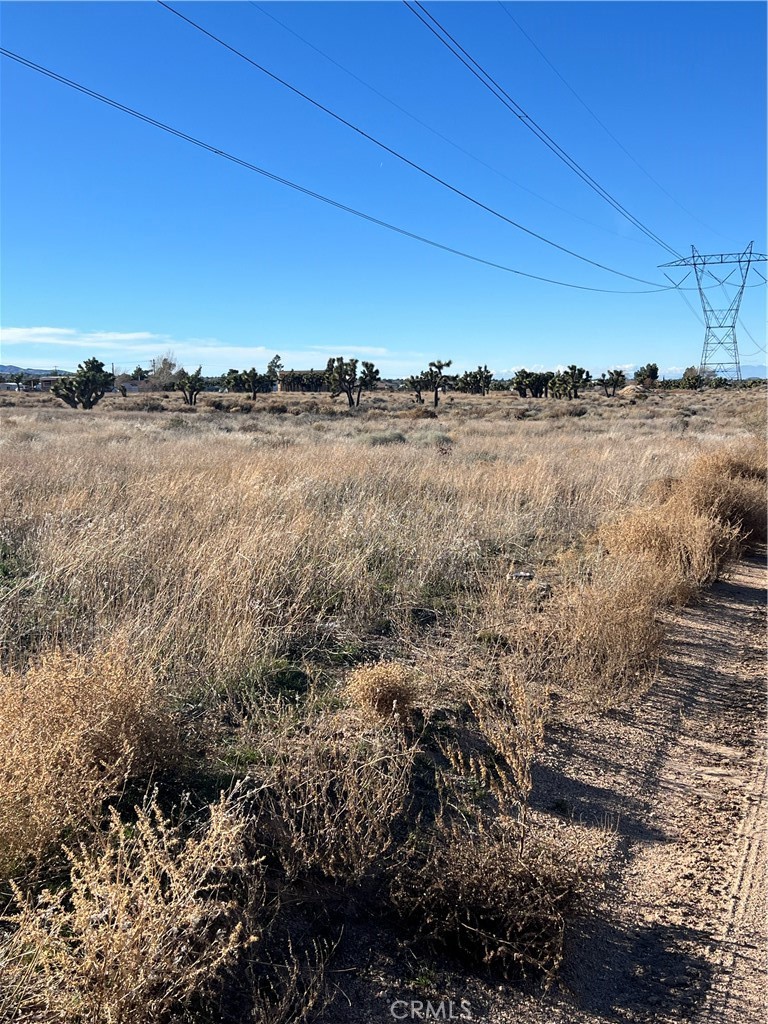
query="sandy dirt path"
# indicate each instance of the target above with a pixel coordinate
(682, 930)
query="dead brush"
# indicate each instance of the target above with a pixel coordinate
(510, 713)
(729, 486)
(602, 632)
(471, 894)
(327, 797)
(147, 926)
(388, 689)
(73, 729)
(688, 547)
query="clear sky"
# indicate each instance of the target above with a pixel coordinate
(121, 241)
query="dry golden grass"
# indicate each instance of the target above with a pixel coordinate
(209, 546)
(73, 730)
(278, 566)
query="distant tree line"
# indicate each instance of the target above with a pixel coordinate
(352, 377)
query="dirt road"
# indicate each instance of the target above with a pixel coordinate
(682, 929)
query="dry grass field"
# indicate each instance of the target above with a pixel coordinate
(276, 673)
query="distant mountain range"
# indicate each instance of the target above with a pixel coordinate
(31, 372)
(753, 371)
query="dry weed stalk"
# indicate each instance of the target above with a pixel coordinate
(294, 991)
(149, 923)
(510, 712)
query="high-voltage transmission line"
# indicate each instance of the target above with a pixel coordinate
(720, 354)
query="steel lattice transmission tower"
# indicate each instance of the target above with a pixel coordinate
(720, 354)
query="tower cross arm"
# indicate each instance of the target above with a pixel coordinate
(719, 257)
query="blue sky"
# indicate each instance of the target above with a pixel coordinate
(121, 241)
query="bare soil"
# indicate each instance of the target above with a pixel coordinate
(676, 782)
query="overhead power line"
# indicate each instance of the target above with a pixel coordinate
(400, 156)
(594, 116)
(427, 127)
(490, 83)
(247, 165)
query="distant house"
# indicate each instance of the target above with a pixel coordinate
(44, 383)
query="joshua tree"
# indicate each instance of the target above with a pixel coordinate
(648, 374)
(255, 382)
(575, 378)
(368, 379)
(86, 387)
(474, 382)
(342, 377)
(691, 379)
(521, 382)
(417, 385)
(435, 378)
(616, 379)
(233, 380)
(190, 385)
(559, 386)
(274, 366)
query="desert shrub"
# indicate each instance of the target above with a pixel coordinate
(471, 894)
(328, 797)
(738, 501)
(510, 711)
(143, 405)
(729, 485)
(73, 729)
(606, 634)
(385, 437)
(697, 522)
(434, 438)
(387, 688)
(176, 422)
(146, 928)
(687, 546)
(419, 413)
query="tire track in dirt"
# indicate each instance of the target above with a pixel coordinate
(681, 932)
(738, 993)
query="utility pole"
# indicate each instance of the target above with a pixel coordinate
(720, 354)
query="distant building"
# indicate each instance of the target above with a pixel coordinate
(44, 383)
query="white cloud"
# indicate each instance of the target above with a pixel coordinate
(69, 337)
(357, 350)
(42, 346)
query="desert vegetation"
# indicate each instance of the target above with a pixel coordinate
(275, 668)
